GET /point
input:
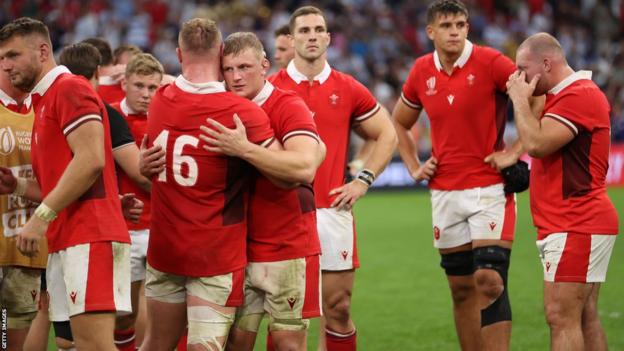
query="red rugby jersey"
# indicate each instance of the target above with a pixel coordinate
(200, 202)
(337, 101)
(282, 223)
(568, 191)
(110, 91)
(62, 102)
(467, 111)
(137, 123)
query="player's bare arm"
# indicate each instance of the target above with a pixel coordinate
(403, 118)
(87, 145)
(127, 157)
(151, 159)
(539, 137)
(378, 128)
(24, 187)
(296, 163)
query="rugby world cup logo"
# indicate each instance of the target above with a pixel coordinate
(7, 140)
(431, 82)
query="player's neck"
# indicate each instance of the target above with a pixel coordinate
(200, 72)
(107, 70)
(310, 69)
(45, 69)
(560, 74)
(448, 60)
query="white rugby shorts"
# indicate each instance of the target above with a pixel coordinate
(336, 231)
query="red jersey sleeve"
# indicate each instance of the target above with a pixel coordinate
(77, 104)
(409, 94)
(296, 120)
(364, 103)
(502, 68)
(571, 110)
(257, 125)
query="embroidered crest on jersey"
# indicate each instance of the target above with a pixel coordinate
(450, 99)
(333, 99)
(470, 79)
(431, 82)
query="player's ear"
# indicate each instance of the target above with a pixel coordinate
(429, 30)
(124, 84)
(265, 66)
(179, 54)
(547, 64)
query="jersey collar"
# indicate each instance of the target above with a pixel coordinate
(125, 108)
(47, 80)
(299, 77)
(107, 80)
(199, 88)
(264, 93)
(580, 75)
(461, 61)
(7, 100)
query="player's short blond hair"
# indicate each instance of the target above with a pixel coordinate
(145, 65)
(199, 35)
(238, 42)
(126, 48)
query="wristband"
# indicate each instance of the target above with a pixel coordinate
(44, 213)
(20, 186)
(366, 176)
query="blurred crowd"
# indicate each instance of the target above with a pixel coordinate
(374, 40)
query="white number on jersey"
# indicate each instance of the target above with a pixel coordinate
(178, 159)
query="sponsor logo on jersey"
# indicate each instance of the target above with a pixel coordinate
(450, 99)
(291, 302)
(431, 82)
(344, 255)
(7, 140)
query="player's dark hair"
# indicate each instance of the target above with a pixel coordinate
(304, 11)
(104, 48)
(81, 59)
(24, 26)
(282, 30)
(445, 7)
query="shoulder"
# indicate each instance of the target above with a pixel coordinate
(69, 82)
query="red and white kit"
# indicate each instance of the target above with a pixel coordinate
(575, 219)
(337, 102)
(467, 125)
(90, 233)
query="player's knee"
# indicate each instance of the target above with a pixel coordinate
(338, 307)
(460, 293)
(208, 328)
(489, 283)
(557, 316)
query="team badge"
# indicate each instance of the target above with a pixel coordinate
(450, 99)
(431, 82)
(436, 232)
(470, 79)
(333, 99)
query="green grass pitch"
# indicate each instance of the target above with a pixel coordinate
(401, 299)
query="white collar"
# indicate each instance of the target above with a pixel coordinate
(264, 93)
(126, 109)
(107, 80)
(7, 100)
(299, 77)
(199, 88)
(47, 80)
(569, 80)
(461, 61)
